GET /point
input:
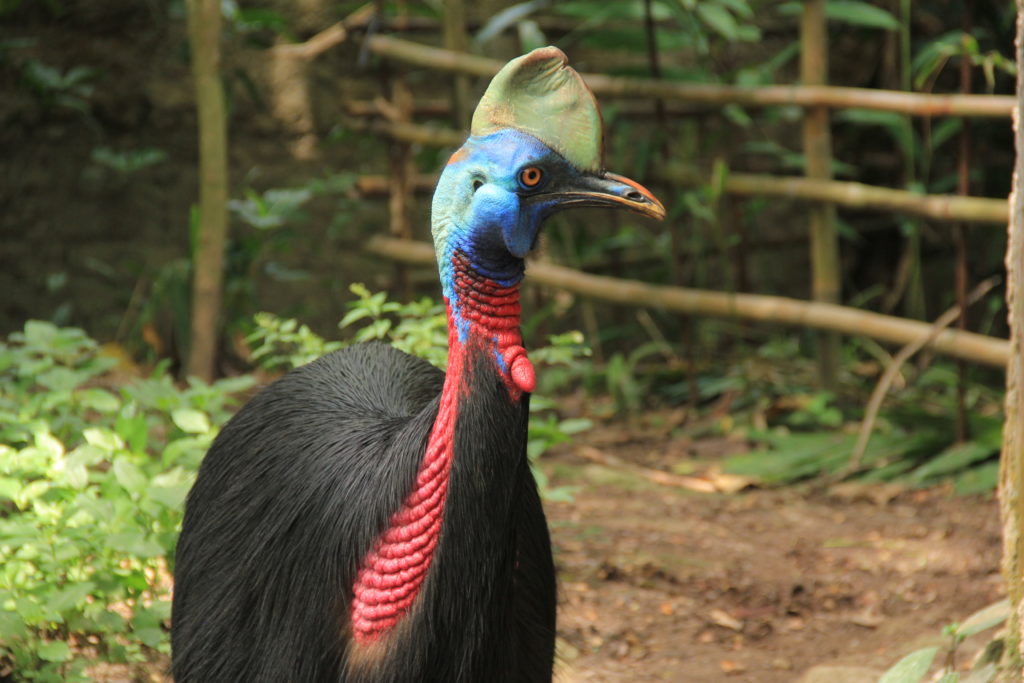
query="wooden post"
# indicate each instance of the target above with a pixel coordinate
(204, 23)
(455, 39)
(403, 171)
(1011, 475)
(825, 275)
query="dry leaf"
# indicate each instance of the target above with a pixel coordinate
(725, 620)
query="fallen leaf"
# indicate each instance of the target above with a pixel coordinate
(725, 620)
(729, 666)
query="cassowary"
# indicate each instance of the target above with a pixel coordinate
(368, 518)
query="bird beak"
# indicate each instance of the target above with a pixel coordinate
(611, 190)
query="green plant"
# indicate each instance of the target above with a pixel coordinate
(286, 343)
(800, 432)
(419, 328)
(127, 162)
(272, 209)
(54, 88)
(915, 666)
(91, 487)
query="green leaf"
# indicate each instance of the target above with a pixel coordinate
(30, 492)
(575, 425)
(76, 475)
(352, 316)
(97, 399)
(101, 437)
(61, 379)
(134, 543)
(134, 430)
(170, 495)
(980, 479)
(54, 651)
(9, 487)
(861, 14)
(12, 627)
(87, 455)
(953, 459)
(188, 451)
(129, 475)
(718, 18)
(984, 619)
(912, 668)
(150, 636)
(70, 597)
(49, 444)
(39, 333)
(191, 420)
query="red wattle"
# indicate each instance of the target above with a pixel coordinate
(392, 573)
(520, 368)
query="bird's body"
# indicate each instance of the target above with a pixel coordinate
(306, 435)
(368, 518)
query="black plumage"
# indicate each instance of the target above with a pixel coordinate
(300, 483)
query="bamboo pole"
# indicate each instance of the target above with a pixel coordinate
(975, 347)
(1011, 467)
(844, 193)
(817, 139)
(456, 40)
(851, 195)
(401, 181)
(918, 104)
(442, 108)
(204, 24)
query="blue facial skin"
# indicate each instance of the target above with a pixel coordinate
(482, 208)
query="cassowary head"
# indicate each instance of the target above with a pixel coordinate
(535, 148)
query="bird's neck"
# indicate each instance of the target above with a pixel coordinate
(484, 317)
(483, 335)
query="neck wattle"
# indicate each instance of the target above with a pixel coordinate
(483, 317)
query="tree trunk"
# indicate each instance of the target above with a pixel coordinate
(1011, 479)
(204, 24)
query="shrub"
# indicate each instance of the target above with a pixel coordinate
(92, 480)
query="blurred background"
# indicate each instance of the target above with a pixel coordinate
(337, 121)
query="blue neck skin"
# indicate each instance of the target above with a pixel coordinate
(479, 210)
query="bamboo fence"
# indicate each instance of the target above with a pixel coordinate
(971, 346)
(823, 314)
(845, 193)
(834, 97)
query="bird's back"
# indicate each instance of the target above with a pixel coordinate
(291, 494)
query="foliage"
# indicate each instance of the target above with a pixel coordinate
(853, 12)
(914, 667)
(56, 89)
(284, 343)
(959, 45)
(272, 209)
(127, 162)
(418, 328)
(92, 482)
(801, 433)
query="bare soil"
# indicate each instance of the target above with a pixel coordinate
(662, 584)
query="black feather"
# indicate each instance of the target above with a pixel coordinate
(293, 494)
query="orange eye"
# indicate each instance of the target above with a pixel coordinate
(530, 176)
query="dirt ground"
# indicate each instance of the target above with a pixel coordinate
(663, 584)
